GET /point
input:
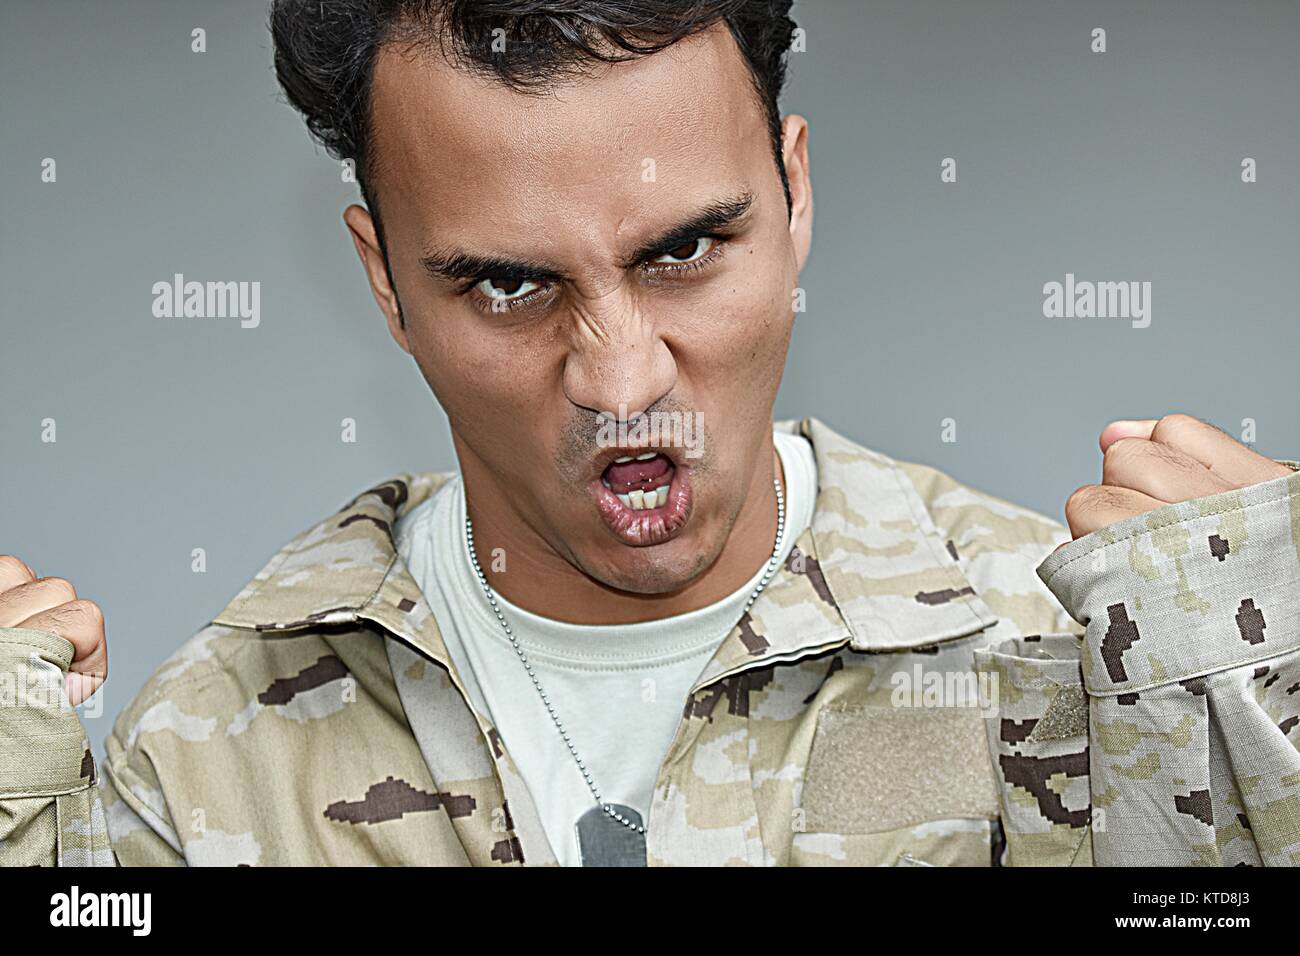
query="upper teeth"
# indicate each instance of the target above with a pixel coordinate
(641, 500)
(622, 459)
(648, 455)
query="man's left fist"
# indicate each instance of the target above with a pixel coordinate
(1151, 463)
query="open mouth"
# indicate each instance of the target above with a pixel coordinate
(641, 482)
(644, 498)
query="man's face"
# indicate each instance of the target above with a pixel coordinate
(595, 299)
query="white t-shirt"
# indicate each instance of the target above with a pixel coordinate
(619, 689)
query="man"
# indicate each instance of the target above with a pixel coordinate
(641, 624)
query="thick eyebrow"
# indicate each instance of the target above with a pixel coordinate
(458, 264)
(718, 216)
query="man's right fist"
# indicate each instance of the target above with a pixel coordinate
(51, 604)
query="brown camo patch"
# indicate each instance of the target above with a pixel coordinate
(391, 799)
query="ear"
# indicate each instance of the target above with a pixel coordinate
(362, 227)
(794, 153)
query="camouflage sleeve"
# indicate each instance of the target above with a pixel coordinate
(51, 810)
(141, 828)
(138, 818)
(1190, 670)
(1037, 728)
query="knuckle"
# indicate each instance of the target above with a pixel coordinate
(1080, 499)
(89, 610)
(1120, 453)
(15, 565)
(59, 588)
(1175, 423)
(1126, 446)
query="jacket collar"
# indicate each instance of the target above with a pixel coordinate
(871, 571)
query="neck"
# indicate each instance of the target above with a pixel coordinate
(541, 581)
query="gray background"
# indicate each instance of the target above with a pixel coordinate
(925, 299)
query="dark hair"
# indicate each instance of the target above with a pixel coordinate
(325, 51)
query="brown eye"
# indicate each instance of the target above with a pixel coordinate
(689, 251)
(506, 291)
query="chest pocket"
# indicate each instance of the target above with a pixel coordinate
(875, 769)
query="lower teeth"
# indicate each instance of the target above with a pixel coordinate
(645, 500)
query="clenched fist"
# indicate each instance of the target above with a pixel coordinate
(51, 604)
(1150, 463)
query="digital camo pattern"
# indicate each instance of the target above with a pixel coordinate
(1038, 737)
(1192, 668)
(318, 718)
(50, 809)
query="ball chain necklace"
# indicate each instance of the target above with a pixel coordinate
(605, 807)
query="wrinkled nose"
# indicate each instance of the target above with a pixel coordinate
(617, 361)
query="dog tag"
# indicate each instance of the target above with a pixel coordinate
(603, 841)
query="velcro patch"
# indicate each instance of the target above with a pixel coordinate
(1066, 716)
(874, 769)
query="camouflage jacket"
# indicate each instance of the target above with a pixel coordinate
(911, 689)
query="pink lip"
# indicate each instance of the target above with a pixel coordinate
(644, 528)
